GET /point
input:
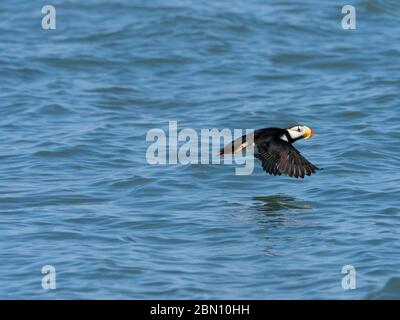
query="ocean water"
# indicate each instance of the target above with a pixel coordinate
(77, 192)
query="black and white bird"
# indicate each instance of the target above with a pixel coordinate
(273, 146)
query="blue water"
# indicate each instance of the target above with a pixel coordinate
(76, 190)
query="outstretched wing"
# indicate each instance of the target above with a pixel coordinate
(280, 157)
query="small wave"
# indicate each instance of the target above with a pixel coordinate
(53, 109)
(65, 152)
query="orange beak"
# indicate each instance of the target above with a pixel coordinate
(309, 133)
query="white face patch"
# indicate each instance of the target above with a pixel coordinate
(296, 132)
(283, 137)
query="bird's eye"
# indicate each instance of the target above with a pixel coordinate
(298, 129)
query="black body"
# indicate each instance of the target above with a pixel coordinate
(277, 155)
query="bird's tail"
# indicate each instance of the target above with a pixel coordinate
(233, 147)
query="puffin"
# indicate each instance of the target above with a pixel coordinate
(274, 147)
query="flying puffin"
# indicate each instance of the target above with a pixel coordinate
(273, 146)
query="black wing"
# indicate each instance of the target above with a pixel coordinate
(280, 157)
